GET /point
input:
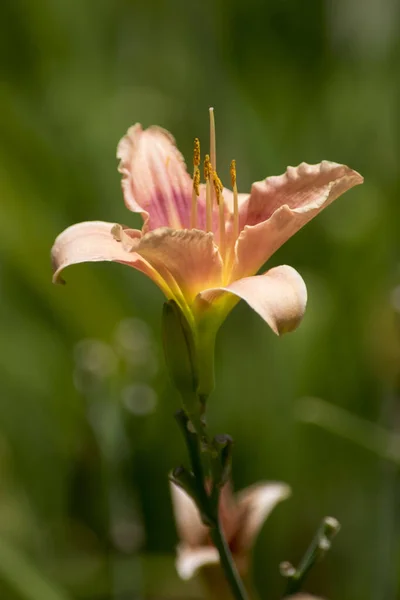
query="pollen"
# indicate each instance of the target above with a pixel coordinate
(196, 182)
(218, 187)
(196, 152)
(207, 167)
(233, 173)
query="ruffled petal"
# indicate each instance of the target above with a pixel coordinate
(279, 206)
(154, 178)
(279, 296)
(190, 560)
(93, 241)
(256, 503)
(190, 528)
(189, 257)
(303, 187)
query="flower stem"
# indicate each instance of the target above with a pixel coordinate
(208, 502)
(227, 563)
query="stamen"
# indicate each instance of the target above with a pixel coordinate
(235, 200)
(213, 149)
(196, 183)
(196, 152)
(218, 187)
(207, 174)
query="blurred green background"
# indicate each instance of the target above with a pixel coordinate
(87, 436)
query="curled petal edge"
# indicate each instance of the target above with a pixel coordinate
(279, 296)
(97, 241)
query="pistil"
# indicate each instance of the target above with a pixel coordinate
(196, 183)
(213, 150)
(235, 200)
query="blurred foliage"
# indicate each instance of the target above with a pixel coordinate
(86, 430)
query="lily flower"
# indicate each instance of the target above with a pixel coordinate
(242, 516)
(201, 243)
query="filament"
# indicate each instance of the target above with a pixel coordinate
(196, 183)
(235, 200)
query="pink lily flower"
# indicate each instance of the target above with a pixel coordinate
(242, 515)
(201, 243)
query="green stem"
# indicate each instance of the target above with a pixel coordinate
(227, 563)
(208, 505)
(315, 552)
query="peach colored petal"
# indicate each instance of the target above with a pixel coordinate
(304, 186)
(256, 503)
(154, 178)
(279, 206)
(190, 560)
(190, 257)
(190, 528)
(93, 241)
(279, 296)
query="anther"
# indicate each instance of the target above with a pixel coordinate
(196, 152)
(196, 182)
(207, 166)
(218, 187)
(233, 173)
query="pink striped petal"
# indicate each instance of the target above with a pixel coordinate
(279, 296)
(93, 241)
(279, 206)
(154, 178)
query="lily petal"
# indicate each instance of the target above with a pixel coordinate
(188, 522)
(279, 206)
(93, 241)
(279, 296)
(190, 257)
(190, 560)
(256, 503)
(154, 178)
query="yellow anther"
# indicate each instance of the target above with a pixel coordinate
(218, 187)
(233, 173)
(196, 181)
(196, 152)
(207, 167)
